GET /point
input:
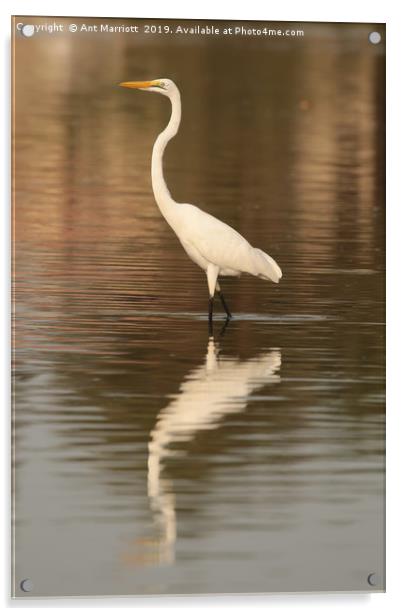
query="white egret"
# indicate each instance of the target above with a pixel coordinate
(212, 244)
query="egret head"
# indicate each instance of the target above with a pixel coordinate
(163, 86)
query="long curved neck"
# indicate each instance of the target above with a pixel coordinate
(162, 195)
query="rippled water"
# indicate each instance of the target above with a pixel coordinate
(150, 458)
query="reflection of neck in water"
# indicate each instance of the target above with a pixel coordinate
(210, 392)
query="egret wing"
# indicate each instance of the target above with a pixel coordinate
(220, 244)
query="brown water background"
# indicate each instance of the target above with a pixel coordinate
(148, 458)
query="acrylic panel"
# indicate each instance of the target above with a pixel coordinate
(160, 447)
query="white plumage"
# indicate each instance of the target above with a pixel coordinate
(212, 244)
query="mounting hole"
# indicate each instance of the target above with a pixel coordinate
(28, 30)
(26, 585)
(372, 579)
(374, 38)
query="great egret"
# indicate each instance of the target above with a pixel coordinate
(212, 244)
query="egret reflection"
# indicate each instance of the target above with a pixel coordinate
(219, 387)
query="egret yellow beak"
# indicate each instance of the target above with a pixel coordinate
(139, 84)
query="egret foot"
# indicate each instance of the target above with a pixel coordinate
(224, 327)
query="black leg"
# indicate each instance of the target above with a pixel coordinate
(224, 304)
(226, 323)
(210, 313)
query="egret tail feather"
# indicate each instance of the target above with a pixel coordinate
(266, 266)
